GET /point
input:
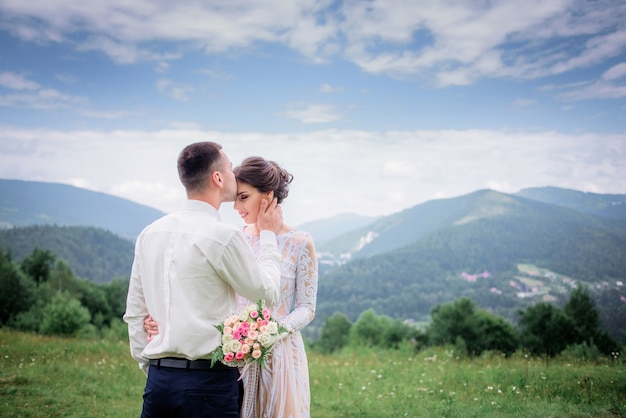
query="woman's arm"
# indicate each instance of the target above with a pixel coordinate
(306, 288)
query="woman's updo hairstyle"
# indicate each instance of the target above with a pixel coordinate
(265, 176)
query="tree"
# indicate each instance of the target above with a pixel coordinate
(116, 292)
(470, 329)
(455, 320)
(367, 330)
(582, 310)
(546, 329)
(64, 315)
(496, 333)
(38, 265)
(335, 333)
(17, 291)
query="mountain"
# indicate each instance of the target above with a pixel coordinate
(400, 229)
(328, 229)
(397, 230)
(25, 203)
(503, 251)
(90, 253)
(604, 205)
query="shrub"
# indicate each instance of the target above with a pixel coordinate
(64, 315)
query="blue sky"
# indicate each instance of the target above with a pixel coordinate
(374, 106)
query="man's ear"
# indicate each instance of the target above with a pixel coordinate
(216, 177)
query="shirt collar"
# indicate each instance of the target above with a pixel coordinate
(200, 206)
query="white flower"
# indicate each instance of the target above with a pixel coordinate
(232, 346)
(272, 327)
(265, 339)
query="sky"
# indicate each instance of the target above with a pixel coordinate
(373, 106)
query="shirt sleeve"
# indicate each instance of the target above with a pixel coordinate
(136, 312)
(306, 288)
(253, 277)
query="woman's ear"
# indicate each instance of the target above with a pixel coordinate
(270, 196)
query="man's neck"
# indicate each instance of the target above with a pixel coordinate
(209, 198)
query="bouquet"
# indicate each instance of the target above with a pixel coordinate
(247, 337)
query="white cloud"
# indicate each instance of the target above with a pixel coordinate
(42, 99)
(312, 113)
(615, 72)
(65, 78)
(35, 96)
(17, 81)
(335, 171)
(451, 43)
(175, 91)
(398, 169)
(525, 103)
(327, 88)
(162, 67)
(595, 90)
(103, 114)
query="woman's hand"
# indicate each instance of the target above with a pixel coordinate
(151, 327)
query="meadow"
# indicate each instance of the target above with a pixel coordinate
(68, 377)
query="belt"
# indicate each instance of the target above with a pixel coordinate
(181, 363)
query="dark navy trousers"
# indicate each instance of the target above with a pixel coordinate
(213, 393)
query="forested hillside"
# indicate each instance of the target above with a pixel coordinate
(400, 229)
(26, 203)
(485, 258)
(90, 253)
(505, 252)
(604, 205)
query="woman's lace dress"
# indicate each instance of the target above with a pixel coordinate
(280, 389)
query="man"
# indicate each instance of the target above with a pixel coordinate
(187, 270)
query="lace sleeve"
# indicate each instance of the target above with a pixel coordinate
(306, 287)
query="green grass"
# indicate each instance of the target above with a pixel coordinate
(55, 377)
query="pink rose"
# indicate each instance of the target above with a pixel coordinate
(239, 355)
(256, 354)
(266, 313)
(229, 357)
(253, 334)
(254, 314)
(245, 348)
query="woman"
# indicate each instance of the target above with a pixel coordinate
(280, 388)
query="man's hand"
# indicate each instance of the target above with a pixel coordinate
(270, 216)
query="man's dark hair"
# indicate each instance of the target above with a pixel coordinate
(196, 162)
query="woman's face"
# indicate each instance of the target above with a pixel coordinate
(248, 201)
